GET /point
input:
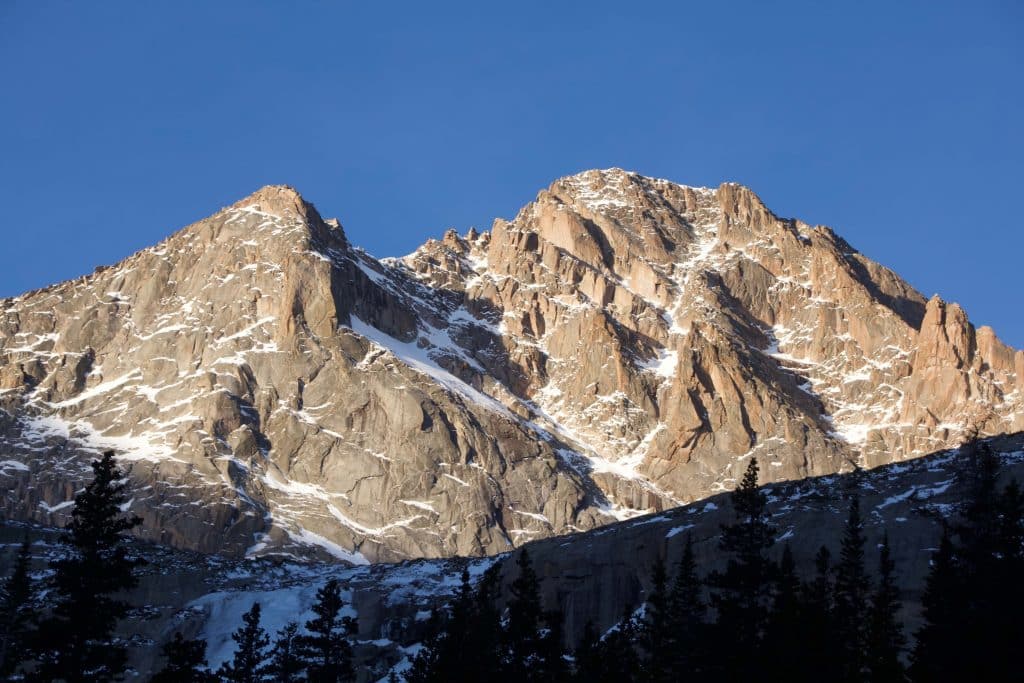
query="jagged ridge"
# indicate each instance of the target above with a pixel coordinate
(623, 344)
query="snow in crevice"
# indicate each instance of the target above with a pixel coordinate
(584, 458)
(324, 499)
(852, 421)
(38, 429)
(664, 364)
(700, 257)
(420, 359)
(308, 538)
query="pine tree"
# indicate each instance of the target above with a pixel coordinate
(851, 597)
(1011, 527)
(885, 639)
(938, 654)
(326, 652)
(15, 612)
(249, 665)
(531, 638)
(977, 530)
(989, 552)
(615, 658)
(466, 644)
(185, 662)
(484, 640)
(820, 656)
(785, 633)
(524, 612)
(449, 654)
(819, 591)
(433, 663)
(551, 660)
(586, 657)
(742, 593)
(285, 665)
(655, 631)
(686, 617)
(976, 545)
(1005, 628)
(974, 597)
(75, 643)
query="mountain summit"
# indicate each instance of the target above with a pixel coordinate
(623, 345)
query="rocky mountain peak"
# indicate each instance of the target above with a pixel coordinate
(622, 345)
(279, 200)
(946, 336)
(274, 220)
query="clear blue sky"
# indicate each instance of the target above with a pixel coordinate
(897, 123)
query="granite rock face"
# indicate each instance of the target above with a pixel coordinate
(623, 345)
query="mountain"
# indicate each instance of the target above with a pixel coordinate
(623, 345)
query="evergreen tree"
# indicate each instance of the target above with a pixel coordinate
(587, 666)
(656, 635)
(851, 597)
(989, 550)
(452, 652)
(185, 662)
(785, 634)
(818, 593)
(974, 597)
(325, 652)
(433, 662)
(976, 545)
(249, 664)
(482, 654)
(551, 660)
(285, 665)
(486, 635)
(614, 658)
(75, 642)
(15, 612)
(977, 530)
(531, 638)
(523, 618)
(819, 660)
(742, 593)
(1010, 544)
(885, 639)
(939, 653)
(686, 617)
(467, 643)
(1006, 628)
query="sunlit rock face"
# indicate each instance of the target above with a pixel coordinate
(623, 345)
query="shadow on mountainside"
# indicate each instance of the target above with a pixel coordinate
(595, 576)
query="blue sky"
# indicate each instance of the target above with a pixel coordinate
(896, 123)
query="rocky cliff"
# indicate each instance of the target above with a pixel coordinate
(623, 345)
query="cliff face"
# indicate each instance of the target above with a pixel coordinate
(624, 344)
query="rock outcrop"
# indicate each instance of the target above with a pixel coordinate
(623, 345)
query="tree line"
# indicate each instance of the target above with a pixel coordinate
(755, 617)
(759, 619)
(320, 654)
(63, 628)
